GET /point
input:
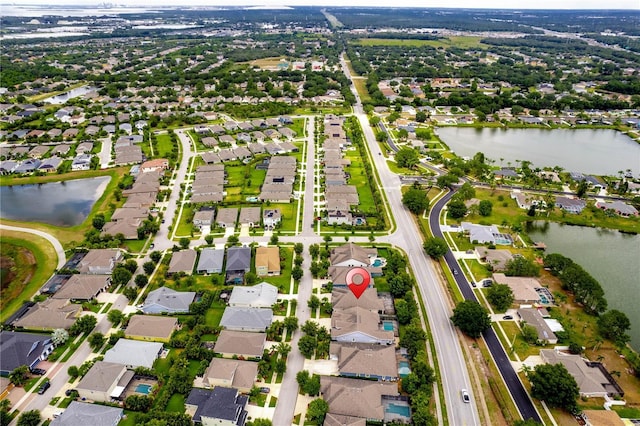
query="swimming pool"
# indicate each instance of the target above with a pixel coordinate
(377, 262)
(401, 410)
(143, 388)
(403, 369)
(387, 325)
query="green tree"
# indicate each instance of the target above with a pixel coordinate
(500, 296)
(614, 325)
(141, 280)
(141, 403)
(5, 417)
(298, 248)
(485, 207)
(19, 375)
(314, 302)
(73, 371)
(98, 221)
(581, 191)
(96, 340)
(115, 317)
(307, 346)
(155, 256)
(30, 418)
(120, 276)
(466, 191)
(421, 116)
(457, 209)
(130, 293)
(471, 318)
(260, 422)
(435, 247)
(209, 239)
(521, 267)
(148, 267)
(291, 323)
(84, 324)
(317, 410)
(274, 240)
(296, 273)
(553, 384)
(444, 181)
(413, 338)
(529, 334)
(416, 200)
(130, 265)
(407, 158)
(184, 243)
(250, 278)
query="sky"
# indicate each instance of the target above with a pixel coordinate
(496, 4)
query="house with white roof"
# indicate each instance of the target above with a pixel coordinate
(262, 295)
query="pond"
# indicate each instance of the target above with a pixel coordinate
(592, 151)
(611, 257)
(66, 203)
(70, 94)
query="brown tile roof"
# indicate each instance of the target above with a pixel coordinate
(151, 326)
(356, 398)
(240, 343)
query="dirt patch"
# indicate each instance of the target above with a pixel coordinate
(7, 271)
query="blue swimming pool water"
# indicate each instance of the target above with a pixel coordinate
(401, 410)
(377, 262)
(387, 325)
(143, 388)
(403, 369)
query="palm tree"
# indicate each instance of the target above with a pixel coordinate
(283, 349)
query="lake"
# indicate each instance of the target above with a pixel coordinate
(70, 94)
(593, 151)
(611, 257)
(66, 203)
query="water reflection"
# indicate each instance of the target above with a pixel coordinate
(66, 203)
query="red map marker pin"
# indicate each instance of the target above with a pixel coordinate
(358, 280)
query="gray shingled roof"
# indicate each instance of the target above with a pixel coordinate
(165, 299)
(238, 259)
(81, 413)
(246, 318)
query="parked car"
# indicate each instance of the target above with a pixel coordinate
(264, 390)
(487, 283)
(38, 371)
(455, 272)
(473, 284)
(43, 388)
(507, 317)
(465, 396)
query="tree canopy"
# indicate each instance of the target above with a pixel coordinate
(435, 247)
(553, 384)
(416, 200)
(472, 318)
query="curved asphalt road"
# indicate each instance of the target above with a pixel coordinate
(516, 389)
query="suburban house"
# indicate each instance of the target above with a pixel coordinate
(49, 315)
(219, 406)
(343, 298)
(134, 353)
(82, 413)
(534, 318)
(267, 261)
(620, 208)
(525, 201)
(602, 418)
(167, 300)
(262, 295)
(104, 381)
(338, 274)
(18, 349)
(240, 344)
(485, 234)
(238, 264)
(497, 258)
(359, 325)
(151, 328)
(83, 287)
(592, 378)
(203, 218)
(571, 205)
(524, 289)
(356, 397)
(332, 419)
(182, 261)
(156, 165)
(99, 261)
(271, 218)
(250, 216)
(363, 360)
(81, 162)
(246, 319)
(229, 373)
(226, 217)
(352, 255)
(211, 261)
